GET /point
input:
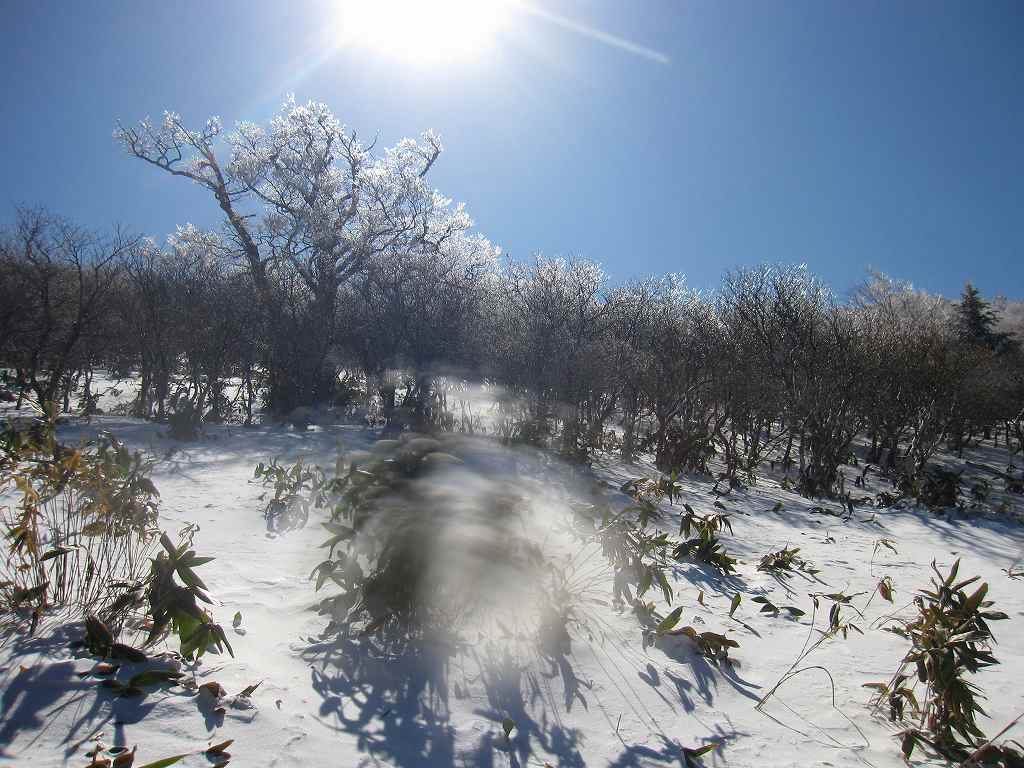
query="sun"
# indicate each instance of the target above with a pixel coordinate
(422, 31)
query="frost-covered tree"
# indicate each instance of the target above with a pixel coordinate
(553, 320)
(675, 357)
(306, 206)
(811, 349)
(420, 313)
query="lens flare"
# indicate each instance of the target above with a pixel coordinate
(422, 31)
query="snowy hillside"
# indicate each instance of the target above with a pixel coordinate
(598, 697)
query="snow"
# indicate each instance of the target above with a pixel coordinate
(606, 702)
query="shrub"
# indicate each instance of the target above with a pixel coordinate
(83, 522)
(184, 420)
(935, 487)
(173, 607)
(414, 531)
(296, 490)
(705, 546)
(949, 639)
(785, 561)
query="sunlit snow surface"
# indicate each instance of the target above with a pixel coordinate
(599, 700)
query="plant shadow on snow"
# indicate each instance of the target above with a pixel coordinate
(705, 674)
(519, 684)
(31, 694)
(398, 708)
(671, 752)
(396, 698)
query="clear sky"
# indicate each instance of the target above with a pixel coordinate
(652, 136)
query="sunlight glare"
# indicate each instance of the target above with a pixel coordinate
(422, 31)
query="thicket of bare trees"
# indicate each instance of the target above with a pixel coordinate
(342, 277)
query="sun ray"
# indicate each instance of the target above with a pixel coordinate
(593, 33)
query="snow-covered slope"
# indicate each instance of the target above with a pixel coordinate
(605, 701)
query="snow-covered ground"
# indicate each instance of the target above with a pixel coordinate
(605, 701)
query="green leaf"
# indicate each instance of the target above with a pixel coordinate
(952, 573)
(645, 582)
(236, 621)
(165, 541)
(189, 577)
(736, 599)
(974, 601)
(666, 588)
(670, 621)
(994, 615)
(57, 552)
(195, 562)
(701, 750)
(508, 725)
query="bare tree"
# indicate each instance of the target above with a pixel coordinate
(68, 276)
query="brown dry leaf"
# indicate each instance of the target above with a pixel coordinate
(213, 688)
(99, 762)
(126, 652)
(217, 749)
(125, 759)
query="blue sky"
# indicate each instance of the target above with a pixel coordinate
(837, 134)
